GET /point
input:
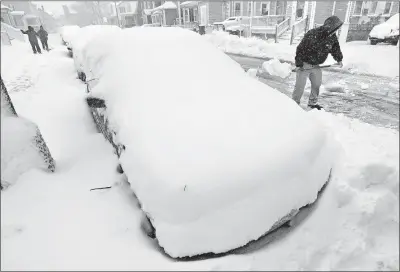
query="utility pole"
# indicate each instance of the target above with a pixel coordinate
(116, 12)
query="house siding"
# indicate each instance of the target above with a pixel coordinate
(395, 8)
(340, 9)
(170, 16)
(323, 10)
(215, 12)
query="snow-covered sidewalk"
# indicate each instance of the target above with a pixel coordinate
(359, 57)
(53, 221)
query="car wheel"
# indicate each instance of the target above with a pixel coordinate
(373, 42)
(394, 42)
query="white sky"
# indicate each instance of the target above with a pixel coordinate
(55, 7)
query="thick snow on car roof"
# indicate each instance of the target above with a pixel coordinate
(214, 156)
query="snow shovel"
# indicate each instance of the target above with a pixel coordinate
(321, 66)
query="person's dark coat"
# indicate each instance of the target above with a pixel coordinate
(32, 35)
(42, 34)
(319, 42)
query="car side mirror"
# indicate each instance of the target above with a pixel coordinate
(95, 102)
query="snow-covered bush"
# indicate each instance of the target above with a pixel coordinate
(214, 156)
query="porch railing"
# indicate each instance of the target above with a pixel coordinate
(281, 28)
(268, 20)
(298, 28)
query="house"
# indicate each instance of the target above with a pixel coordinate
(6, 15)
(23, 14)
(126, 11)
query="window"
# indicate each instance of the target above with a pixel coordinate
(388, 7)
(122, 9)
(264, 8)
(128, 8)
(238, 9)
(372, 9)
(358, 8)
(186, 15)
(249, 9)
(195, 13)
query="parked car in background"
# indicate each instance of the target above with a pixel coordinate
(234, 23)
(202, 170)
(67, 33)
(82, 38)
(387, 32)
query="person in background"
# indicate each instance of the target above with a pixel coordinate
(43, 35)
(312, 51)
(32, 36)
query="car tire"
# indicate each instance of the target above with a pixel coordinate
(394, 42)
(373, 42)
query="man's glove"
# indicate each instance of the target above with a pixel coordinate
(340, 64)
(298, 69)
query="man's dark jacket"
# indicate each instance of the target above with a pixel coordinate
(42, 34)
(318, 43)
(32, 35)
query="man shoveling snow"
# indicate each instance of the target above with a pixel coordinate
(312, 51)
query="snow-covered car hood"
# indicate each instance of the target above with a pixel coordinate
(388, 28)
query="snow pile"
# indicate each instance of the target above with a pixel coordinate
(12, 32)
(364, 86)
(18, 151)
(198, 164)
(276, 68)
(252, 72)
(382, 60)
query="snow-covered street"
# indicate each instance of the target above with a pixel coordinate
(371, 99)
(54, 222)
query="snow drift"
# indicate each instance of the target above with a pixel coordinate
(215, 160)
(22, 145)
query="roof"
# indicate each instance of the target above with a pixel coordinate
(166, 5)
(189, 4)
(17, 12)
(4, 7)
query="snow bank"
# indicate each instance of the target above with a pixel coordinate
(275, 68)
(382, 60)
(18, 151)
(13, 32)
(207, 160)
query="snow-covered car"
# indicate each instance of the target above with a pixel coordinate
(83, 37)
(216, 158)
(22, 145)
(387, 32)
(67, 33)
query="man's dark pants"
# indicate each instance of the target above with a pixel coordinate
(45, 46)
(35, 46)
